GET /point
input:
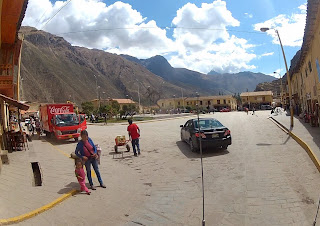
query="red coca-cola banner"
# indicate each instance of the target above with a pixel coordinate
(56, 110)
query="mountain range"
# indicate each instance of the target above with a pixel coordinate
(213, 82)
(52, 70)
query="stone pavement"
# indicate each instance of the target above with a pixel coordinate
(309, 134)
(264, 178)
(18, 193)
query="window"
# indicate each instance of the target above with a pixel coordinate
(209, 102)
(207, 123)
(218, 101)
(187, 103)
(224, 101)
(243, 100)
(178, 102)
(200, 102)
(306, 72)
(255, 98)
(229, 101)
(170, 104)
(263, 99)
(162, 104)
(310, 67)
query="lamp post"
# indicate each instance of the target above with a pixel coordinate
(96, 86)
(182, 99)
(280, 85)
(174, 103)
(149, 93)
(265, 29)
(200, 142)
(98, 90)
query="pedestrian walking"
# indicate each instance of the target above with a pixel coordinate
(105, 119)
(81, 176)
(134, 134)
(38, 127)
(253, 110)
(87, 151)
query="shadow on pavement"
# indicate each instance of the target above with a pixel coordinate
(314, 131)
(207, 153)
(56, 142)
(69, 187)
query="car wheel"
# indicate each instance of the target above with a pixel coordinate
(193, 149)
(76, 139)
(224, 147)
(128, 147)
(181, 137)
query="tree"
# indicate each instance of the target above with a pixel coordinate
(105, 109)
(115, 108)
(87, 107)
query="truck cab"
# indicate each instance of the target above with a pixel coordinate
(66, 126)
(61, 121)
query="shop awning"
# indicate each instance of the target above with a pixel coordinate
(14, 102)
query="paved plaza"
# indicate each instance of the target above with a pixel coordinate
(264, 178)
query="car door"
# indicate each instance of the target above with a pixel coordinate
(183, 131)
(189, 129)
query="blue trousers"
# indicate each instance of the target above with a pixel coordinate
(135, 143)
(94, 163)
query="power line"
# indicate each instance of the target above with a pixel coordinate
(56, 13)
(137, 28)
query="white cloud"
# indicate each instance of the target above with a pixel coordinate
(279, 72)
(122, 27)
(207, 24)
(291, 28)
(248, 15)
(267, 54)
(200, 40)
(231, 56)
(212, 48)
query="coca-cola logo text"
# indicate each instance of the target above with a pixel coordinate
(63, 109)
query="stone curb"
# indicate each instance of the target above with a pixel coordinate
(303, 144)
(33, 213)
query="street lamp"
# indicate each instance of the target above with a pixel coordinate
(264, 29)
(280, 85)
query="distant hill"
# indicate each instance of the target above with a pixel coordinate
(53, 70)
(213, 83)
(240, 82)
(274, 86)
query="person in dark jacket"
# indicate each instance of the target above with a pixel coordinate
(87, 151)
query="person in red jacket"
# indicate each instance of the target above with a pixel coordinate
(134, 134)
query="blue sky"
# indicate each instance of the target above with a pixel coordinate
(219, 47)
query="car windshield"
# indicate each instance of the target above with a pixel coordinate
(207, 123)
(67, 120)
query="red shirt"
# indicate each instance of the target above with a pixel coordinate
(87, 149)
(133, 130)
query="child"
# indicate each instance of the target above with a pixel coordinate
(81, 176)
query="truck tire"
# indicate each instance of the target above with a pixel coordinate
(76, 139)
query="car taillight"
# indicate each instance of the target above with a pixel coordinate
(227, 132)
(202, 135)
